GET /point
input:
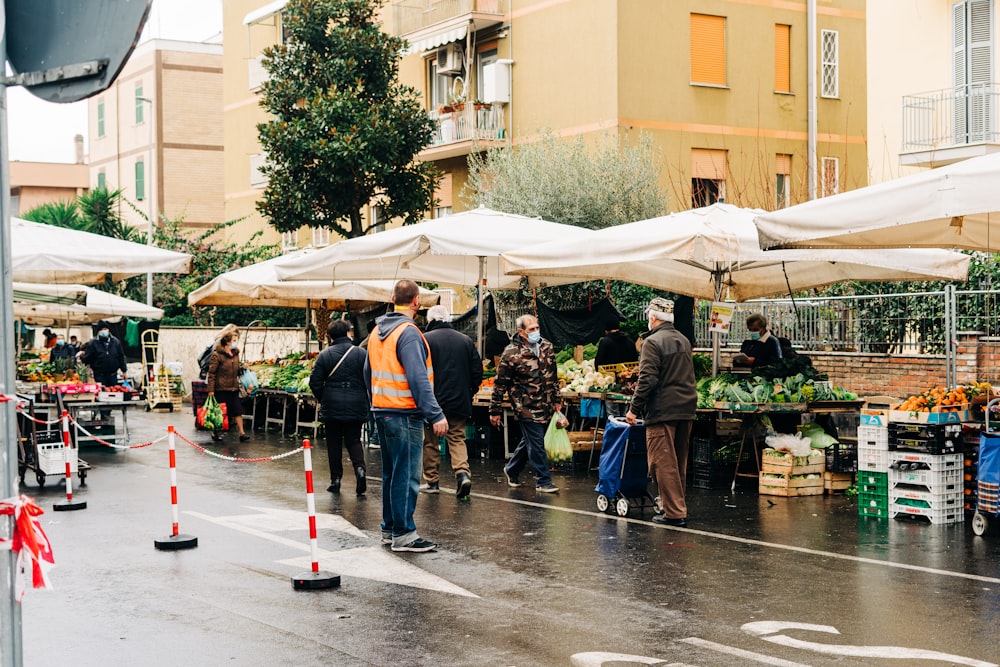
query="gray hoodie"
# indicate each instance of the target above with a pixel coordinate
(412, 354)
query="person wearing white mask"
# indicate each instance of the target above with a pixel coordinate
(665, 398)
(527, 374)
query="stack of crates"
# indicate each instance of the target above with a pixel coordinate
(926, 469)
(873, 464)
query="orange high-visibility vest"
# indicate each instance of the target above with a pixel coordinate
(390, 390)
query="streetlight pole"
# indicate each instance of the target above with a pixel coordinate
(149, 196)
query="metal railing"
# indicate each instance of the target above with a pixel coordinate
(469, 122)
(951, 117)
(409, 16)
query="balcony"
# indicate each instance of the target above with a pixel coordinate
(462, 130)
(412, 18)
(945, 126)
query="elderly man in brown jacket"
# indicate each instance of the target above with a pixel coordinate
(666, 398)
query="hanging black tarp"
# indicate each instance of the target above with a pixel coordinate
(578, 326)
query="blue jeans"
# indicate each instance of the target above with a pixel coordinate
(401, 441)
(531, 450)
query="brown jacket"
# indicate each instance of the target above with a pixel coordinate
(665, 390)
(223, 370)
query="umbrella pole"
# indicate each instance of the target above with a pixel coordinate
(480, 289)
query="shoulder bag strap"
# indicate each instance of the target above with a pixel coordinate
(342, 357)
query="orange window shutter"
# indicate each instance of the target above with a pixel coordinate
(443, 191)
(708, 49)
(707, 163)
(783, 163)
(782, 58)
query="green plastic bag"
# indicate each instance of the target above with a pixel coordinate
(210, 415)
(557, 445)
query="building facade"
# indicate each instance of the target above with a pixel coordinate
(156, 134)
(720, 85)
(932, 84)
(35, 183)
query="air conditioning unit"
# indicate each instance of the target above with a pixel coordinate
(449, 59)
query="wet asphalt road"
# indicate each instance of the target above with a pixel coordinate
(519, 579)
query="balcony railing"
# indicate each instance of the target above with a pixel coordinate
(951, 118)
(469, 122)
(409, 16)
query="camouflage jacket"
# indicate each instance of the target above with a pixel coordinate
(530, 381)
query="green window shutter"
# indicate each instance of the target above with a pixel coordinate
(100, 119)
(138, 105)
(102, 180)
(140, 180)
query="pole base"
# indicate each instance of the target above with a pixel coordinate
(313, 581)
(176, 542)
(70, 505)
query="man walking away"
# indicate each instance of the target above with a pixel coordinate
(400, 379)
(665, 397)
(527, 373)
(458, 372)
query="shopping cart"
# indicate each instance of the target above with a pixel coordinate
(988, 476)
(623, 474)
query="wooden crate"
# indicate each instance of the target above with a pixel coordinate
(583, 440)
(837, 482)
(785, 463)
(790, 484)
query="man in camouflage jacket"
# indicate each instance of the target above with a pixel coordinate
(527, 374)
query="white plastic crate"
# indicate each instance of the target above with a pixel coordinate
(926, 498)
(874, 436)
(936, 462)
(936, 481)
(936, 515)
(52, 461)
(872, 459)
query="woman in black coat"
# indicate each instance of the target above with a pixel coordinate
(338, 383)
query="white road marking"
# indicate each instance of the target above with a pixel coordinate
(364, 563)
(761, 628)
(280, 520)
(741, 653)
(598, 658)
(380, 565)
(746, 540)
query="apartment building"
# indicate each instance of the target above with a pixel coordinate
(720, 85)
(932, 84)
(156, 134)
(35, 183)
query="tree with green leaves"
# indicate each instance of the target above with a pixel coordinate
(344, 131)
(593, 183)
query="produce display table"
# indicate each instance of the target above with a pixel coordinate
(87, 415)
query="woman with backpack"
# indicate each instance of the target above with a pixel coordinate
(223, 378)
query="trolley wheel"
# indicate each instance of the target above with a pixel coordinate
(621, 507)
(149, 408)
(21, 470)
(40, 478)
(980, 524)
(602, 503)
(83, 477)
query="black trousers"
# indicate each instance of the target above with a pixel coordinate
(340, 435)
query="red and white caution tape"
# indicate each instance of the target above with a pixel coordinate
(28, 541)
(113, 445)
(51, 422)
(239, 459)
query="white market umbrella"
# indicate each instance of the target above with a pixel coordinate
(460, 249)
(43, 253)
(258, 285)
(97, 305)
(713, 253)
(957, 206)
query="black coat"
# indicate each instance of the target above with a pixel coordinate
(615, 348)
(104, 356)
(764, 352)
(343, 397)
(458, 368)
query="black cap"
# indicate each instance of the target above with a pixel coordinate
(103, 324)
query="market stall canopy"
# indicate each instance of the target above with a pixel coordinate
(49, 254)
(97, 305)
(444, 250)
(42, 293)
(957, 206)
(258, 285)
(713, 253)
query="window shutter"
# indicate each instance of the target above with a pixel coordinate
(443, 192)
(708, 49)
(708, 164)
(980, 69)
(140, 180)
(782, 58)
(831, 176)
(783, 163)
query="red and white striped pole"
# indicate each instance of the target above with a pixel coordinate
(174, 541)
(69, 504)
(314, 579)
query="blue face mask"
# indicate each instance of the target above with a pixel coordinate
(60, 343)
(104, 333)
(535, 337)
(754, 335)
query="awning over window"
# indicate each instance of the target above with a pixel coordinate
(267, 10)
(426, 43)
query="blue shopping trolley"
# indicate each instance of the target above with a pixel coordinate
(623, 473)
(987, 476)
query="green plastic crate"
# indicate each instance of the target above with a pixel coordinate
(873, 482)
